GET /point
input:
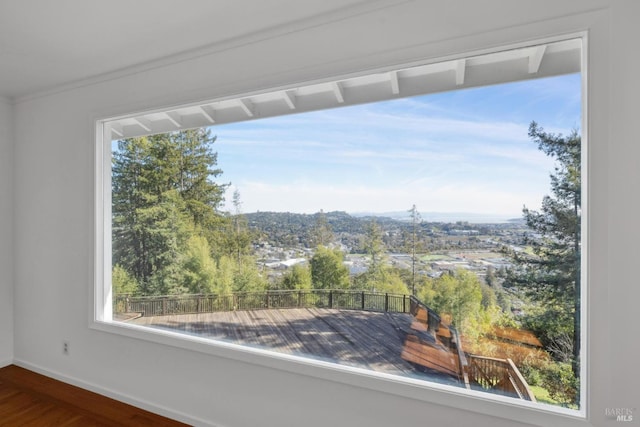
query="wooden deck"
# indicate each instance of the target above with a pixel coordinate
(372, 340)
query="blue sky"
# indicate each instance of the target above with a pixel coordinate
(462, 151)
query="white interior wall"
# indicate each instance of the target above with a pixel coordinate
(54, 215)
(623, 207)
(6, 232)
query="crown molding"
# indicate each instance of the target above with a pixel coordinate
(326, 18)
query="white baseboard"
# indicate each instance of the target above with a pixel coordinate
(139, 403)
(6, 362)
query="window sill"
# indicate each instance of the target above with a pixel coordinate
(469, 400)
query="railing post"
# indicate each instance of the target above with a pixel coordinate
(164, 306)
(330, 299)
(386, 302)
(267, 299)
(362, 300)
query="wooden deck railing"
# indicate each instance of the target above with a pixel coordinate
(433, 320)
(495, 375)
(318, 298)
(463, 363)
(499, 376)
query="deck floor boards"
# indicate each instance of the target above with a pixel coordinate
(372, 340)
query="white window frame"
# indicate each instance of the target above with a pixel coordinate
(476, 401)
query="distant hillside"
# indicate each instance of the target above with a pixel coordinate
(286, 229)
(444, 217)
(338, 220)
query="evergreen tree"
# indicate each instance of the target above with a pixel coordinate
(413, 244)
(184, 161)
(166, 228)
(240, 237)
(163, 193)
(130, 195)
(374, 247)
(551, 277)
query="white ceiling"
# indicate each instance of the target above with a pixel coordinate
(46, 43)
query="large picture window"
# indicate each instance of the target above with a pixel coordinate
(422, 222)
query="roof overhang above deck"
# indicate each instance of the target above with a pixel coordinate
(543, 60)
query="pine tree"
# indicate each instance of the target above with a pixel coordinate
(130, 197)
(163, 192)
(413, 244)
(374, 247)
(551, 276)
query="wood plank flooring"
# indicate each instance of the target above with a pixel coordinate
(371, 340)
(28, 399)
(349, 337)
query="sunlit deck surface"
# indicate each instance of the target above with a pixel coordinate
(385, 342)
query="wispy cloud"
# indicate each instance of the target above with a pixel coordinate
(459, 151)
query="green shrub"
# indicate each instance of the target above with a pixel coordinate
(558, 379)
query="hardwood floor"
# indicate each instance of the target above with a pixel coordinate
(33, 400)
